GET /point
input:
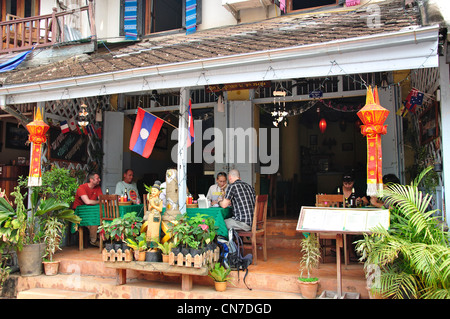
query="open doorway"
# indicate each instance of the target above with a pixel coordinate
(314, 161)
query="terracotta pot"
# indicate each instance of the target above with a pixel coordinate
(51, 267)
(139, 255)
(220, 285)
(309, 289)
(165, 258)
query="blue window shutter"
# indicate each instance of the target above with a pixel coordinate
(191, 16)
(130, 20)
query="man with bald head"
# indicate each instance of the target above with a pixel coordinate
(241, 197)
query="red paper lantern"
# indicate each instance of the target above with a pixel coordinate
(37, 130)
(322, 125)
(373, 116)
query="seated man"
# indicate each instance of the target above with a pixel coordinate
(217, 191)
(88, 194)
(127, 183)
(241, 196)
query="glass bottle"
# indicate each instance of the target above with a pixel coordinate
(352, 199)
(107, 191)
(126, 195)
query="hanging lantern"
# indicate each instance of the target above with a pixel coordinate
(322, 125)
(83, 122)
(37, 130)
(373, 116)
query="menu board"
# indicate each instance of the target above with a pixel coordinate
(343, 220)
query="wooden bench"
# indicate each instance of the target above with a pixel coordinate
(144, 266)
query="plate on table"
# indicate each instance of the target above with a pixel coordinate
(125, 203)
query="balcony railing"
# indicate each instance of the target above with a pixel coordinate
(19, 34)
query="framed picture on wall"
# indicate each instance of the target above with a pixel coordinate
(16, 137)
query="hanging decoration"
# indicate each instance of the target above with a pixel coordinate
(37, 129)
(322, 125)
(83, 120)
(373, 116)
(279, 113)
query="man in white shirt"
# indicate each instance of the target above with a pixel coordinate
(217, 191)
(129, 185)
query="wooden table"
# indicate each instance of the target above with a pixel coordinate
(186, 272)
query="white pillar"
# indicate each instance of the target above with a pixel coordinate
(182, 149)
(444, 82)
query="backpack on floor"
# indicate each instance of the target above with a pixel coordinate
(232, 253)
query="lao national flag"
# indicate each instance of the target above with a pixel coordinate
(145, 132)
(191, 135)
(64, 126)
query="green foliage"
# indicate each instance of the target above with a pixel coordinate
(137, 244)
(219, 273)
(52, 236)
(165, 248)
(310, 249)
(413, 256)
(121, 228)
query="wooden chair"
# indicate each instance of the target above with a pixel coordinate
(109, 209)
(258, 228)
(330, 200)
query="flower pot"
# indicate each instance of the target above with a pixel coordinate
(139, 255)
(165, 258)
(125, 246)
(175, 250)
(195, 251)
(220, 285)
(117, 246)
(30, 259)
(51, 267)
(109, 246)
(309, 289)
(153, 256)
(185, 251)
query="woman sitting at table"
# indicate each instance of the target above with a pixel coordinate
(217, 191)
(380, 202)
(88, 194)
(348, 185)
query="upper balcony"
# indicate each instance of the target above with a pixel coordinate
(20, 34)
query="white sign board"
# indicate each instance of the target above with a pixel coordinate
(343, 220)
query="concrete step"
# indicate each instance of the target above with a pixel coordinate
(282, 234)
(106, 288)
(49, 293)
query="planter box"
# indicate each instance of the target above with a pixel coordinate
(113, 256)
(197, 261)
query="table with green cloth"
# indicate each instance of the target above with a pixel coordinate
(90, 214)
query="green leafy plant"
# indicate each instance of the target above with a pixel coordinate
(131, 224)
(25, 226)
(219, 273)
(412, 258)
(203, 229)
(181, 230)
(309, 260)
(53, 230)
(165, 248)
(137, 244)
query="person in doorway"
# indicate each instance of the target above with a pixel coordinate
(217, 191)
(380, 202)
(128, 184)
(88, 194)
(348, 185)
(241, 197)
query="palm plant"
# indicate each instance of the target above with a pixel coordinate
(413, 256)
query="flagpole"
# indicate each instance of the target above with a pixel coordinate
(159, 118)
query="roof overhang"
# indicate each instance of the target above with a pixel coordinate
(408, 49)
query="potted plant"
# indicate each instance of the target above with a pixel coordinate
(310, 249)
(181, 231)
(131, 226)
(165, 250)
(139, 245)
(52, 237)
(23, 227)
(221, 276)
(412, 257)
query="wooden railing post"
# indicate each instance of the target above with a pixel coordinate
(92, 20)
(54, 25)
